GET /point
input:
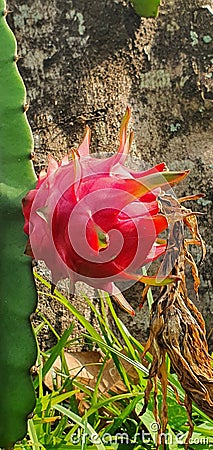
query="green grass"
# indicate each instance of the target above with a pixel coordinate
(112, 420)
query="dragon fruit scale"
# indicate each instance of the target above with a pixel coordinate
(96, 221)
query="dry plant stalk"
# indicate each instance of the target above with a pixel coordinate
(178, 328)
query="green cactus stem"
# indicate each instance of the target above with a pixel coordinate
(17, 289)
(146, 8)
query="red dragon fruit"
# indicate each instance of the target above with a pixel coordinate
(96, 221)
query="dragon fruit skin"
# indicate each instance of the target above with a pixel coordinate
(96, 221)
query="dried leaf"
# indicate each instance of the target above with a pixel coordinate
(190, 260)
(191, 223)
(85, 366)
(178, 328)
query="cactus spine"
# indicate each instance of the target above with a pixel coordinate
(17, 290)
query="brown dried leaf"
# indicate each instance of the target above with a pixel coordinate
(191, 197)
(85, 366)
(190, 260)
(191, 223)
(111, 379)
(178, 328)
(184, 338)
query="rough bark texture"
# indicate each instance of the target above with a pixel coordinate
(85, 61)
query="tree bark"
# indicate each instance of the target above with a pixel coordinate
(84, 61)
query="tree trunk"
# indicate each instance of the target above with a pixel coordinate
(84, 61)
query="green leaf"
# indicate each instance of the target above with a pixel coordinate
(118, 421)
(146, 8)
(58, 296)
(55, 353)
(87, 428)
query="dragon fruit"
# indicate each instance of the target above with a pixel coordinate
(97, 221)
